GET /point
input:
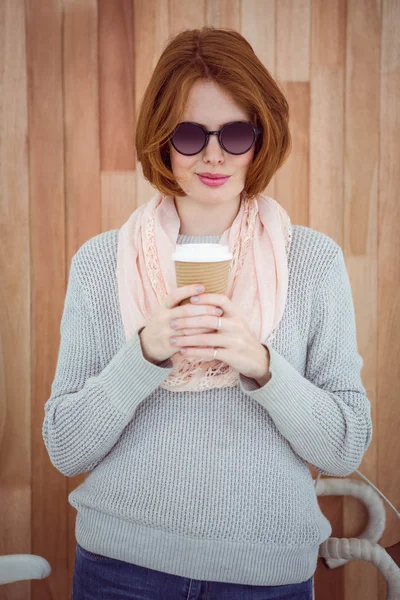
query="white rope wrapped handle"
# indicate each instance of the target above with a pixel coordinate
(339, 551)
(356, 549)
(20, 567)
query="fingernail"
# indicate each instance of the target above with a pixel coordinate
(200, 288)
(195, 298)
(219, 311)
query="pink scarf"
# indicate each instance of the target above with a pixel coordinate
(259, 239)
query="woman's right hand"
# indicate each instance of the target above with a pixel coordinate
(156, 336)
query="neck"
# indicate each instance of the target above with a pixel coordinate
(202, 219)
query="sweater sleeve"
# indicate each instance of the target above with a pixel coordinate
(89, 408)
(325, 415)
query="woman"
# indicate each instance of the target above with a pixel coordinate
(199, 484)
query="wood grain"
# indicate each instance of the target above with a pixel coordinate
(72, 78)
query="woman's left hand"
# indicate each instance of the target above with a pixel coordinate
(236, 344)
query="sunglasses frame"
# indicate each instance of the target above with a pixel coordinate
(256, 132)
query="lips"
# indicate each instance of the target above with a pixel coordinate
(212, 181)
(213, 176)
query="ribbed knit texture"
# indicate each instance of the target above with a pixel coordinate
(211, 485)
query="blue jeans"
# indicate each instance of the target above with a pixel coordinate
(100, 578)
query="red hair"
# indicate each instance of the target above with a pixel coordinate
(226, 58)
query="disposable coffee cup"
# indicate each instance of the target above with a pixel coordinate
(202, 263)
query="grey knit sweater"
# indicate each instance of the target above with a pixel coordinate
(211, 485)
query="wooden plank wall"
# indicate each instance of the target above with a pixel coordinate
(72, 74)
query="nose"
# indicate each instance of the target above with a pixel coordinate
(213, 147)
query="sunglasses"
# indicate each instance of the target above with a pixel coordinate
(236, 137)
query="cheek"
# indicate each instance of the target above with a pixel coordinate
(249, 157)
(179, 163)
(245, 161)
(248, 161)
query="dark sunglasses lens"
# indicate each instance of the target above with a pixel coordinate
(188, 138)
(236, 137)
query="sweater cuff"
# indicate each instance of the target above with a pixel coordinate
(129, 378)
(288, 397)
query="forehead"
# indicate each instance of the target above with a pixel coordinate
(220, 126)
(210, 106)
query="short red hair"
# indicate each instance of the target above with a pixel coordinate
(225, 57)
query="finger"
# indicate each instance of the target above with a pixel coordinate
(181, 293)
(208, 339)
(192, 331)
(187, 312)
(207, 353)
(217, 300)
(197, 330)
(194, 322)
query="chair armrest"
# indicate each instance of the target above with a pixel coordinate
(18, 567)
(337, 552)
